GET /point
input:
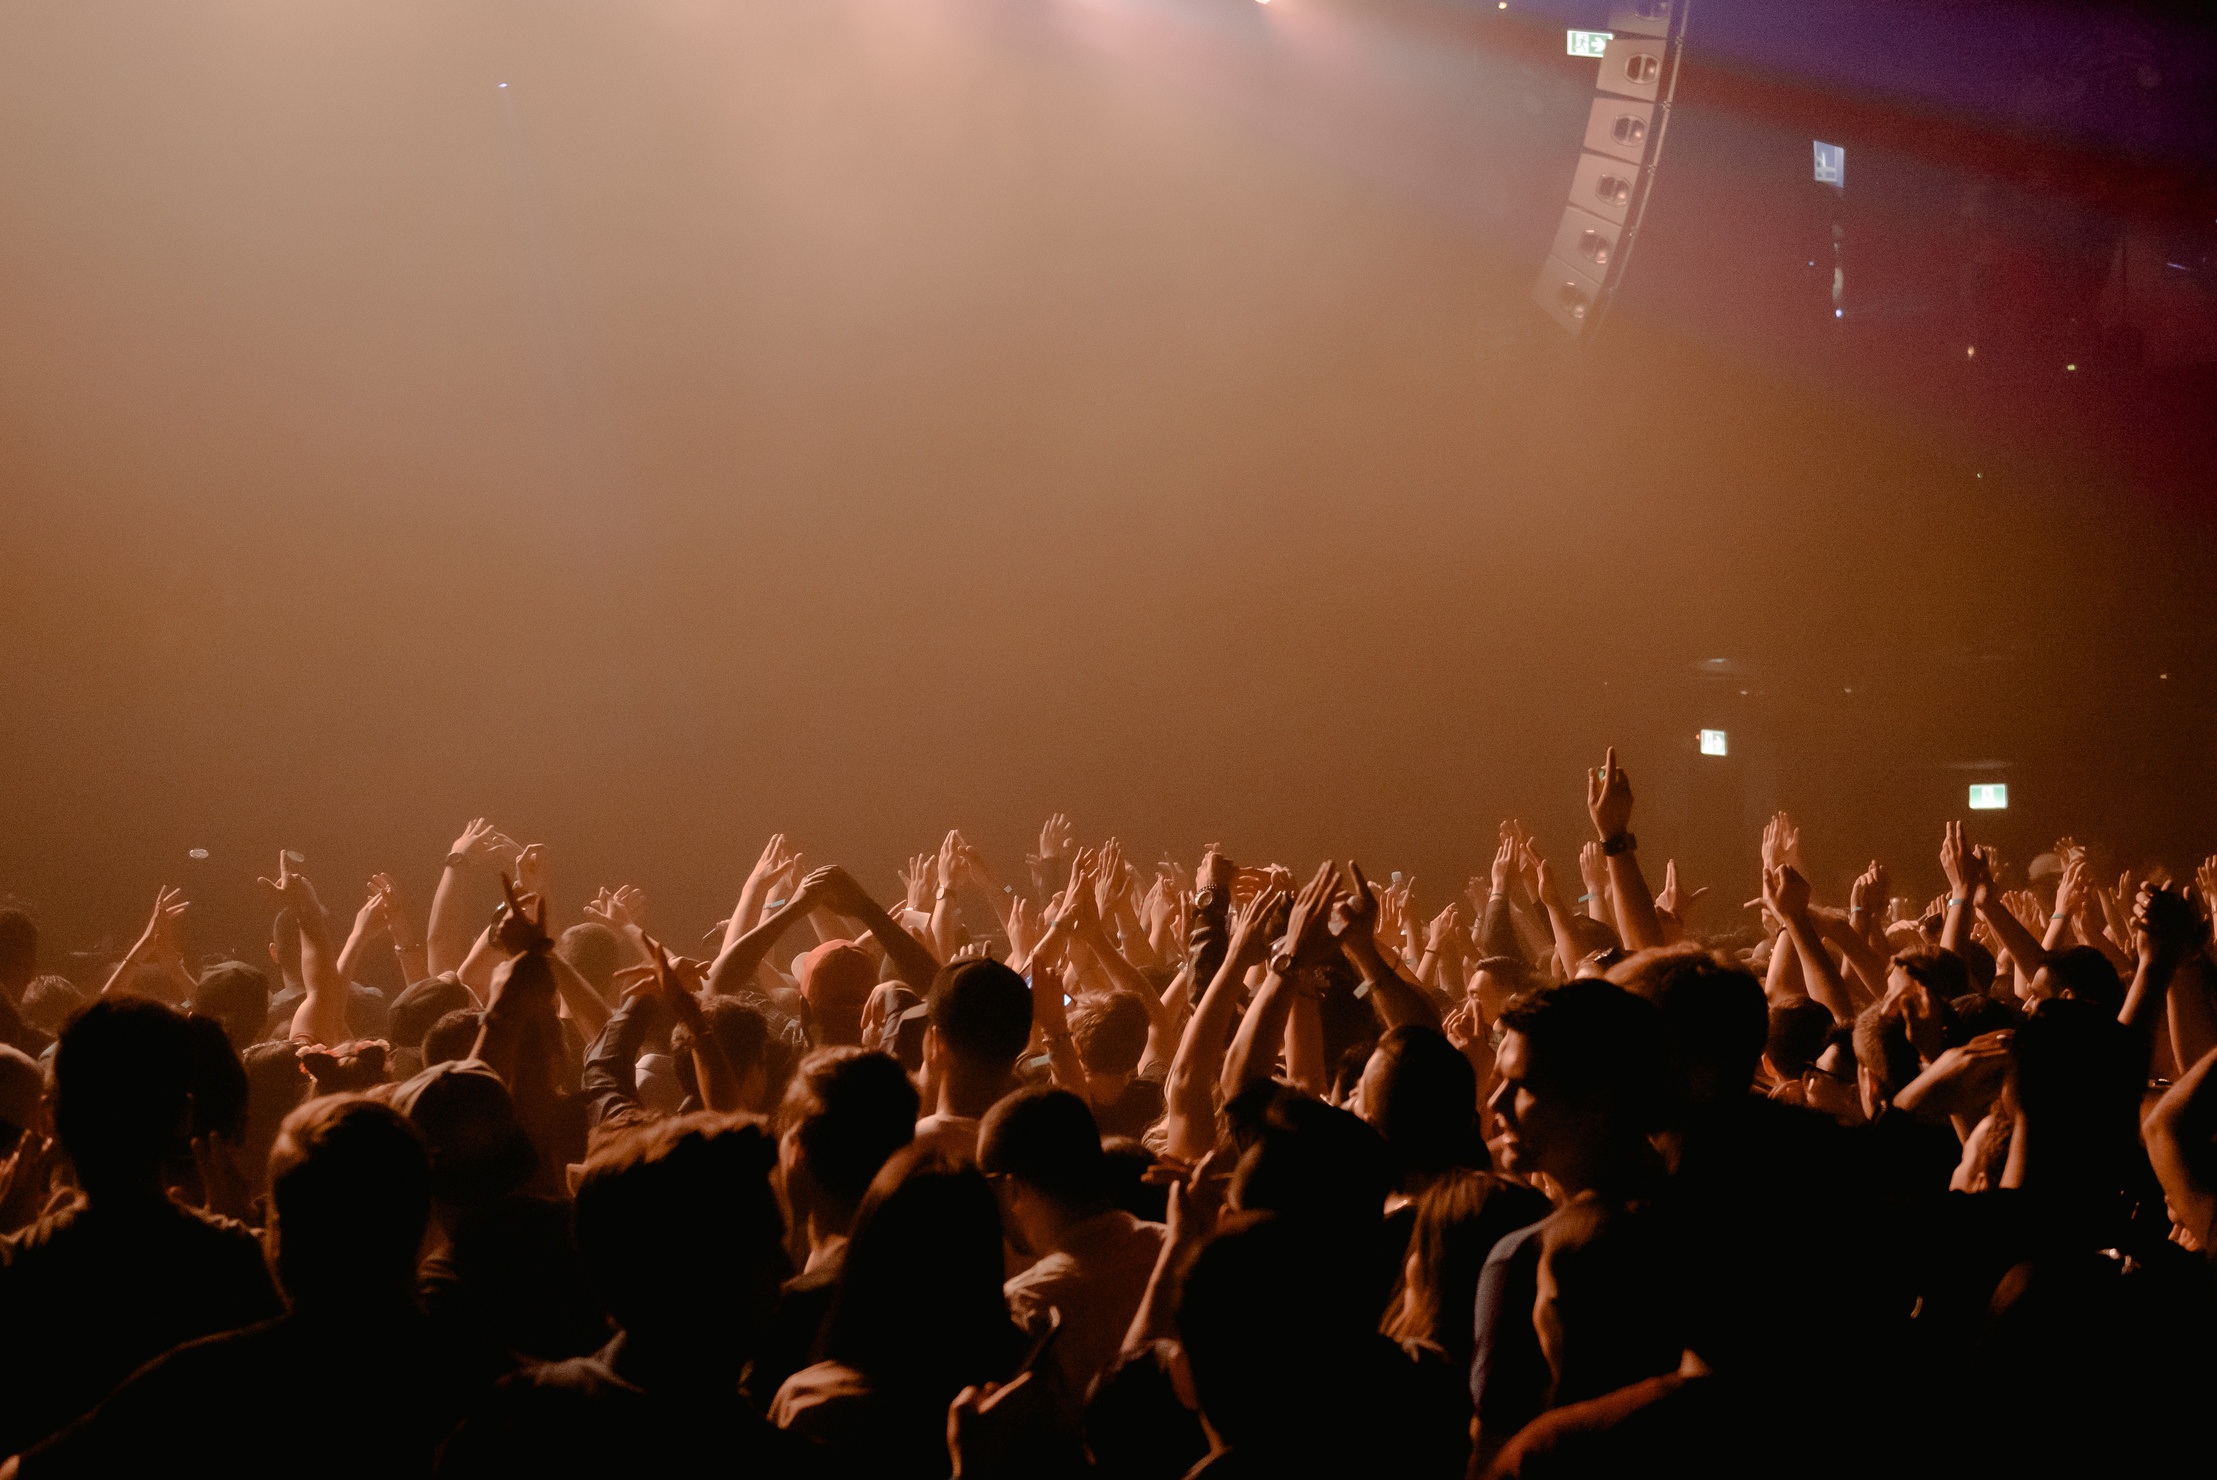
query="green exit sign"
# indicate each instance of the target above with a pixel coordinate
(1591, 43)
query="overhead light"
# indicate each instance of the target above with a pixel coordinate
(1712, 742)
(1991, 796)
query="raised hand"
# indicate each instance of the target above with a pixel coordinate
(1955, 859)
(1785, 892)
(1593, 869)
(294, 889)
(1609, 798)
(1055, 837)
(2165, 926)
(1781, 842)
(522, 933)
(1308, 937)
(2205, 879)
(1258, 922)
(1868, 894)
(371, 920)
(953, 864)
(484, 845)
(1442, 928)
(1504, 861)
(398, 923)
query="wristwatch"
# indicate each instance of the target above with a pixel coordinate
(456, 860)
(1281, 963)
(1623, 842)
(1207, 899)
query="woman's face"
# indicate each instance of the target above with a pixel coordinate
(1829, 1085)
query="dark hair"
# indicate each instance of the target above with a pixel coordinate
(1267, 1366)
(1594, 1041)
(918, 1306)
(2085, 972)
(1797, 1035)
(1883, 1050)
(1458, 1221)
(350, 1190)
(237, 996)
(219, 1088)
(1315, 1160)
(1046, 1137)
(1124, 1167)
(18, 945)
(1427, 1103)
(982, 1012)
(1713, 1015)
(698, 1183)
(122, 1084)
(49, 1000)
(1945, 975)
(850, 1109)
(453, 1036)
(593, 950)
(1111, 1032)
(419, 1009)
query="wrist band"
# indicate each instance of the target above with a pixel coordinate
(1498, 894)
(1954, 902)
(1584, 897)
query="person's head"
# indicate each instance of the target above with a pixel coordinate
(123, 1092)
(1580, 1078)
(49, 1000)
(1458, 1221)
(1714, 1020)
(18, 951)
(1268, 1326)
(416, 1011)
(1111, 1034)
(2076, 1075)
(1797, 1033)
(350, 1195)
(467, 1119)
(680, 1233)
(1604, 1311)
(453, 1036)
(1421, 1094)
(1830, 1082)
(844, 1113)
(219, 1084)
(593, 952)
(1943, 974)
(980, 1016)
(2082, 973)
(1979, 965)
(1885, 1058)
(918, 1306)
(275, 1083)
(837, 978)
(1125, 1163)
(1041, 1150)
(237, 996)
(284, 947)
(1311, 1160)
(759, 1060)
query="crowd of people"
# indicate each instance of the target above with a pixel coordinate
(1087, 1167)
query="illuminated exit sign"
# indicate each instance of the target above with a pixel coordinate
(1591, 43)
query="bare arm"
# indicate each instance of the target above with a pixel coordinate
(1786, 895)
(321, 1017)
(447, 934)
(1609, 804)
(1188, 1093)
(2178, 1133)
(1391, 996)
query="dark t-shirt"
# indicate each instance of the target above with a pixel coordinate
(507, 1282)
(1509, 1375)
(90, 1294)
(1139, 1105)
(585, 1418)
(796, 1330)
(288, 1398)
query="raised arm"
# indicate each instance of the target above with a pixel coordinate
(321, 1017)
(1786, 895)
(1609, 804)
(911, 962)
(1391, 997)
(1190, 1090)
(1308, 940)
(157, 945)
(370, 923)
(400, 928)
(735, 964)
(747, 913)
(2178, 1133)
(447, 934)
(2168, 931)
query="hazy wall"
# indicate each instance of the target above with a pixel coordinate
(860, 419)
